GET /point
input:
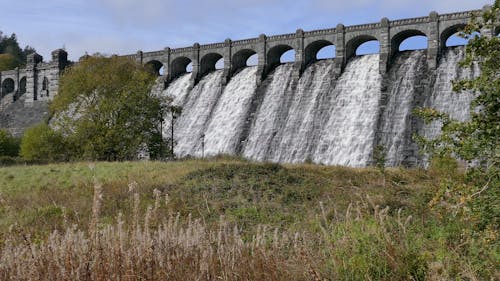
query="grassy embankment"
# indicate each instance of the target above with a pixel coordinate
(296, 222)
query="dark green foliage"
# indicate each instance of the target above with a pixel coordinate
(9, 146)
(42, 143)
(11, 55)
(106, 110)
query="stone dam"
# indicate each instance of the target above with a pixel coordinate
(331, 111)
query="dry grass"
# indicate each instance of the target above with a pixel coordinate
(222, 221)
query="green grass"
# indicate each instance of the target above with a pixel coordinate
(340, 205)
(38, 198)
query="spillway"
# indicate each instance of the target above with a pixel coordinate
(317, 117)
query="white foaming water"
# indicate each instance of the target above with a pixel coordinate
(301, 127)
(196, 112)
(178, 91)
(347, 137)
(224, 130)
(395, 128)
(443, 98)
(271, 114)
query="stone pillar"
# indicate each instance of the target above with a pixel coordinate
(340, 51)
(196, 64)
(168, 70)
(1, 86)
(262, 53)
(299, 64)
(32, 78)
(138, 57)
(60, 57)
(385, 46)
(433, 49)
(227, 61)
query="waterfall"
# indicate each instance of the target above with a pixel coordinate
(317, 117)
(442, 96)
(347, 137)
(224, 129)
(301, 127)
(177, 91)
(196, 112)
(396, 129)
(271, 115)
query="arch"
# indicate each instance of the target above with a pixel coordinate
(448, 32)
(22, 88)
(154, 66)
(496, 31)
(179, 66)
(208, 62)
(240, 59)
(45, 84)
(311, 51)
(353, 44)
(8, 86)
(274, 55)
(400, 37)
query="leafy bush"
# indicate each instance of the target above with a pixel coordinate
(9, 146)
(42, 143)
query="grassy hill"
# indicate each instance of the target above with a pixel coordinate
(346, 224)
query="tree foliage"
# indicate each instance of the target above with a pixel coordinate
(42, 143)
(476, 141)
(11, 54)
(106, 110)
(9, 146)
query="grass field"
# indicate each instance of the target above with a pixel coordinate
(349, 224)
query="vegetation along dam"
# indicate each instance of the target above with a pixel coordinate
(331, 111)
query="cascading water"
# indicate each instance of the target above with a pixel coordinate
(442, 97)
(395, 126)
(178, 91)
(347, 137)
(319, 118)
(196, 112)
(296, 140)
(271, 115)
(223, 133)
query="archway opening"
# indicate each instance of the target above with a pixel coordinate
(8, 86)
(208, 63)
(319, 50)
(161, 71)
(253, 60)
(368, 48)
(458, 40)
(244, 58)
(418, 42)
(154, 67)
(219, 64)
(180, 66)
(22, 88)
(288, 56)
(362, 45)
(327, 52)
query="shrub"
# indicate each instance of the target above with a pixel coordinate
(9, 146)
(42, 143)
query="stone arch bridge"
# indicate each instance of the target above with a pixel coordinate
(39, 81)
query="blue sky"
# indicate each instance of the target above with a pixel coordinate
(125, 26)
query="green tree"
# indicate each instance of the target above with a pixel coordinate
(9, 146)
(477, 140)
(42, 143)
(106, 109)
(7, 62)
(11, 54)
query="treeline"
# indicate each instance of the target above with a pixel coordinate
(11, 54)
